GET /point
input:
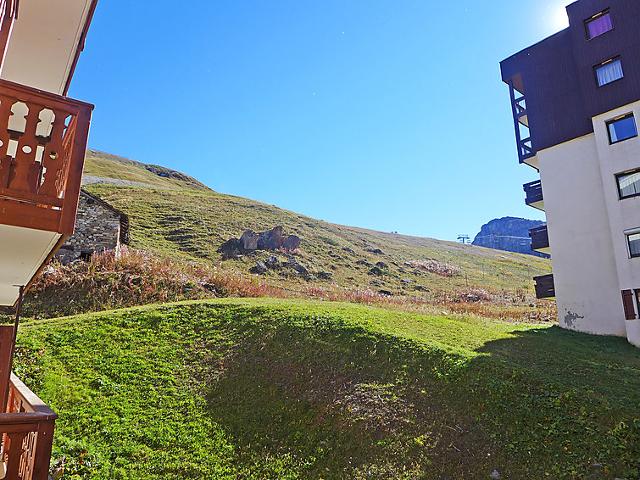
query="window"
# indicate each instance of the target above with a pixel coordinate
(609, 71)
(629, 184)
(627, 303)
(634, 244)
(599, 24)
(622, 128)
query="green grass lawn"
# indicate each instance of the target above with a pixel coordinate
(272, 389)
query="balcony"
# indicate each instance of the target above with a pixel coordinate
(526, 150)
(545, 287)
(534, 197)
(26, 427)
(43, 140)
(540, 239)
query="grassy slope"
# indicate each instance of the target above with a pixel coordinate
(104, 165)
(174, 218)
(266, 389)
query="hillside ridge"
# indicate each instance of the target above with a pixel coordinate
(175, 216)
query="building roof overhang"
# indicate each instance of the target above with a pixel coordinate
(45, 43)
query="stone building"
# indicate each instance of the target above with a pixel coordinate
(99, 228)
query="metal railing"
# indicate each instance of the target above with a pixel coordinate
(539, 238)
(526, 149)
(545, 286)
(533, 191)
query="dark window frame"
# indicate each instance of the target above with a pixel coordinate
(617, 119)
(628, 237)
(602, 64)
(624, 174)
(595, 17)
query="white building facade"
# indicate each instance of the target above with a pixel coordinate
(576, 105)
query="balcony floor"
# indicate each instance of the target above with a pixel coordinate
(546, 250)
(537, 205)
(22, 252)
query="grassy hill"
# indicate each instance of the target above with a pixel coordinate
(299, 389)
(281, 389)
(175, 216)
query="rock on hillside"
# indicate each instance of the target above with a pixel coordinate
(510, 234)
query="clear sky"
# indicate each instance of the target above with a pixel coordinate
(387, 114)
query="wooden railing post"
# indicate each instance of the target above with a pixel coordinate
(42, 453)
(80, 126)
(15, 441)
(6, 350)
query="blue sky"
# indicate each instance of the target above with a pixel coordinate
(386, 114)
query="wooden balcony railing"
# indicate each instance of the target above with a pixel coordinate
(26, 427)
(27, 430)
(43, 140)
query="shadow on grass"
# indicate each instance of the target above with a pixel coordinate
(607, 365)
(331, 400)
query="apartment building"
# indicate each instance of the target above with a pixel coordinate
(43, 139)
(575, 98)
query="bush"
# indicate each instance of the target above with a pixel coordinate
(134, 278)
(434, 266)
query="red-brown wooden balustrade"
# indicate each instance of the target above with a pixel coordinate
(27, 426)
(43, 141)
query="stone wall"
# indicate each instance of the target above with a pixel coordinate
(98, 229)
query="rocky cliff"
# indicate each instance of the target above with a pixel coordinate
(509, 233)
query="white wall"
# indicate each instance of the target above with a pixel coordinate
(624, 214)
(584, 266)
(22, 251)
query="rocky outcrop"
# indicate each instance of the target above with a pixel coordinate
(270, 240)
(379, 269)
(232, 248)
(291, 243)
(249, 240)
(290, 265)
(509, 234)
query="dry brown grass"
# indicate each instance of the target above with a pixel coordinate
(139, 278)
(433, 266)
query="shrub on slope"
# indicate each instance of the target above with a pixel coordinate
(141, 278)
(135, 278)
